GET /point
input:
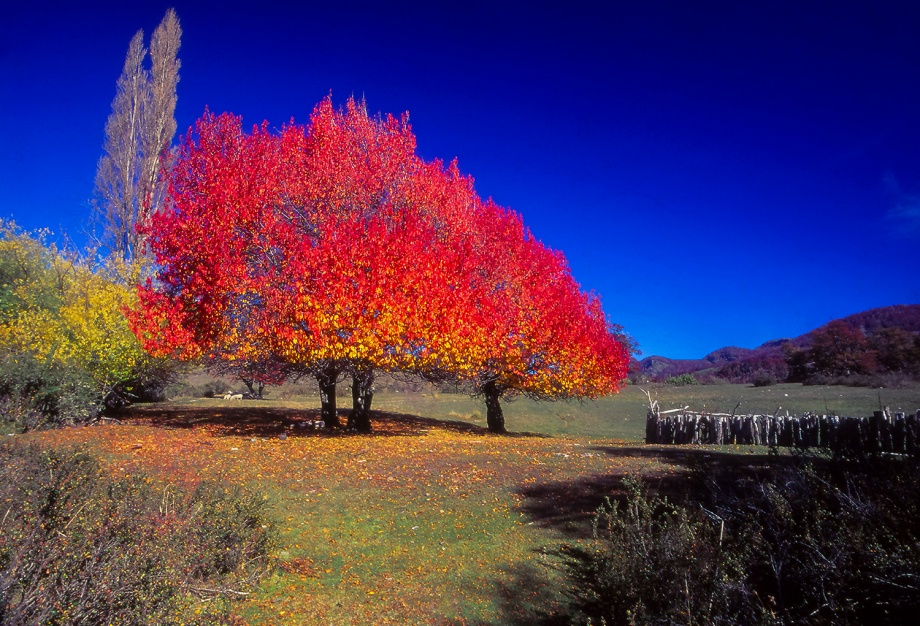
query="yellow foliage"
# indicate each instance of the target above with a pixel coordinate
(58, 309)
(100, 340)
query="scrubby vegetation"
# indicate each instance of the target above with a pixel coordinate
(78, 546)
(811, 543)
(875, 348)
(841, 353)
(36, 393)
(756, 370)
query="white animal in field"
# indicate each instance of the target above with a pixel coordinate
(233, 396)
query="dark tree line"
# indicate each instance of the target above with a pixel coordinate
(840, 352)
(837, 353)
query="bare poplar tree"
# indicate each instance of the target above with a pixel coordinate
(160, 120)
(118, 170)
(138, 134)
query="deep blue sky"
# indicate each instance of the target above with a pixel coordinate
(722, 173)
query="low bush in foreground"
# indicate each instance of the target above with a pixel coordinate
(838, 544)
(79, 547)
(653, 562)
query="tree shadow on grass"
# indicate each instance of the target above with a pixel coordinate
(526, 596)
(267, 421)
(701, 463)
(569, 506)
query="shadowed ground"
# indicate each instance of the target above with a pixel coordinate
(568, 506)
(264, 421)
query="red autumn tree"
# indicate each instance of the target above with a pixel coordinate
(839, 349)
(333, 249)
(345, 197)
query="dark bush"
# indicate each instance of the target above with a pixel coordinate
(803, 545)
(653, 562)
(749, 370)
(764, 379)
(212, 388)
(79, 547)
(35, 395)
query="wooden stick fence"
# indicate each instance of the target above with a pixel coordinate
(883, 432)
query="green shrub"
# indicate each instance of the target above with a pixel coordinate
(764, 379)
(212, 389)
(681, 380)
(79, 547)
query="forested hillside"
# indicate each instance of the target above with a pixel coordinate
(877, 346)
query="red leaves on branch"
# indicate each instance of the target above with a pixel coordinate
(335, 243)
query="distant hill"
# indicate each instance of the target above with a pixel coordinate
(742, 364)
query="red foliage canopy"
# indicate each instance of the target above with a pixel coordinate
(335, 245)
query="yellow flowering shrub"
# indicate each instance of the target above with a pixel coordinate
(61, 320)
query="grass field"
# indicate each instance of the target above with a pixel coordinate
(430, 519)
(622, 416)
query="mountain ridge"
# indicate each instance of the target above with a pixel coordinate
(737, 363)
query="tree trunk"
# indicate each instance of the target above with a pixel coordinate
(494, 416)
(256, 387)
(326, 378)
(362, 393)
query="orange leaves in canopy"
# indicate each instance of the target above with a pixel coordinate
(335, 242)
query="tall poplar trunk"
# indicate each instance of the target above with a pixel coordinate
(362, 393)
(326, 378)
(494, 416)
